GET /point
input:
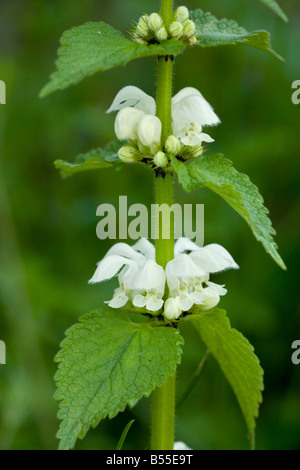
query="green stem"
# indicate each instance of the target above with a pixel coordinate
(163, 398)
(163, 416)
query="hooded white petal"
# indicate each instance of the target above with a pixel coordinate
(213, 258)
(151, 278)
(111, 266)
(192, 98)
(122, 249)
(189, 111)
(144, 247)
(180, 270)
(184, 244)
(131, 96)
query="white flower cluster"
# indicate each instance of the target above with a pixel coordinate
(137, 123)
(142, 281)
(151, 28)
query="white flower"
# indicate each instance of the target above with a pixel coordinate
(182, 276)
(141, 280)
(188, 274)
(171, 309)
(191, 111)
(151, 280)
(127, 122)
(149, 131)
(131, 96)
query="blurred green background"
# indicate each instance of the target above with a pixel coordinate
(48, 243)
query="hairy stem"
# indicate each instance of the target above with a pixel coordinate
(163, 398)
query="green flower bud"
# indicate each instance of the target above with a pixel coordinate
(192, 41)
(162, 34)
(176, 29)
(142, 28)
(128, 154)
(155, 22)
(181, 14)
(140, 41)
(196, 151)
(161, 160)
(173, 145)
(189, 28)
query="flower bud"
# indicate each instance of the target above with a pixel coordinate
(173, 145)
(128, 154)
(181, 14)
(127, 122)
(176, 29)
(149, 131)
(162, 34)
(142, 28)
(141, 41)
(161, 160)
(155, 22)
(189, 28)
(192, 41)
(171, 310)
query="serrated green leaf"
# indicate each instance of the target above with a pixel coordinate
(236, 358)
(276, 8)
(93, 160)
(217, 173)
(96, 46)
(213, 32)
(107, 362)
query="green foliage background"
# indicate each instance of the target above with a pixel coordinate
(48, 243)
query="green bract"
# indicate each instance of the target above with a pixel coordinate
(96, 46)
(217, 173)
(236, 358)
(107, 362)
(213, 32)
